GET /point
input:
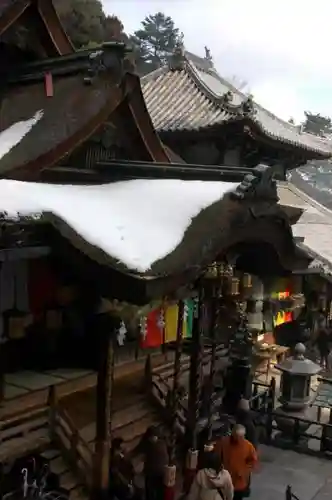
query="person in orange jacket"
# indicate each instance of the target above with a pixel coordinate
(239, 458)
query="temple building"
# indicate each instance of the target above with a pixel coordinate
(112, 249)
(206, 120)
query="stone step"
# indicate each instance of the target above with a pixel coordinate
(68, 479)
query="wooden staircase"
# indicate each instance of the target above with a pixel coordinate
(68, 479)
(63, 432)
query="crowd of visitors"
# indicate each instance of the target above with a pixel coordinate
(224, 472)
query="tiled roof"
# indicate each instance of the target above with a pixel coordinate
(193, 97)
(176, 103)
(314, 225)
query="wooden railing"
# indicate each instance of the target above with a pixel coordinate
(23, 433)
(160, 387)
(63, 432)
(37, 428)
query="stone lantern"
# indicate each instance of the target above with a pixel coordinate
(296, 379)
(296, 374)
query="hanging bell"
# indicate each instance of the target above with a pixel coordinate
(246, 280)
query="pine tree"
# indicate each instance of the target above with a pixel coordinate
(155, 42)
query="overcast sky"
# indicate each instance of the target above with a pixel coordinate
(281, 47)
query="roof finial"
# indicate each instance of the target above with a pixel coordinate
(207, 56)
(178, 58)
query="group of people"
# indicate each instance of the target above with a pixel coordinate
(122, 474)
(224, 472)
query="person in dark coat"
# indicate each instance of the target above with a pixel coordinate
(121, 473)
(243, 417)
(154, 450)
(323, 344)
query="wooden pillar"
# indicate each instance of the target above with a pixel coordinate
(105, 333)
(238, 382)
(3, 365)
(213, 326)
(170, 472)
(195, 373)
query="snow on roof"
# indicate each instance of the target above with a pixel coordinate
(136, 222)
(11, 136)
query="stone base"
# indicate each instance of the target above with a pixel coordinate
(283, 440)
(286, 422)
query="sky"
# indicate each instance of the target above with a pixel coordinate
(280, 47)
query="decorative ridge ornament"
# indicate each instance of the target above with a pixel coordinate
(105, 59)
(248, 106)
(259, 185)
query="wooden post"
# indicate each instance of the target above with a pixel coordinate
(102, 442)
(213, 326)
(52, 405)
(194, 397)
(2, 371)
(170, 471)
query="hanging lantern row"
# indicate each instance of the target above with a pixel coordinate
(221, 270)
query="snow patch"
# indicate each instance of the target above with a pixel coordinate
(10, 137)
(136, 222)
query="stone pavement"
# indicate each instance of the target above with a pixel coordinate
(310, 477)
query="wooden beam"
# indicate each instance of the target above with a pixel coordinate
(12, 13)
(54, 27)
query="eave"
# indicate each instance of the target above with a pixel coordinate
(43, 13)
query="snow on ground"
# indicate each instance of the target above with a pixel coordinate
(136, 222)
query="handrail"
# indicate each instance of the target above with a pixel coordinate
(22, 433)
(74, 448)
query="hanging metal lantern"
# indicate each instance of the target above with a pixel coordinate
(230, 270)
(212, 271)
(234, 286)
(247, 280)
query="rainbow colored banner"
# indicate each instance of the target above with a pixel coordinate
(171, 321)
(161, 325)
